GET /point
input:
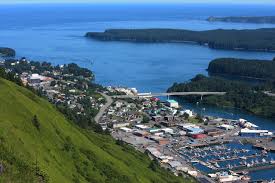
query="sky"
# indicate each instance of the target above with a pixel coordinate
(267, 2)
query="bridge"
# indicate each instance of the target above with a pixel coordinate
(144, 95)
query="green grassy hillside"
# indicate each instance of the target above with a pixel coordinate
(55, 150)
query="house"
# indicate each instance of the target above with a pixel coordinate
(34, 79)
(157, 118)
(226, 127)
(189, 112)
(167, 130)
(140, 133)
(168, 123)
(142, 127)
(168, 118)
(120, 125)
(153, 130)
(172, 103)
(125, 129)
(191, 129)
(199, 136)
(159, 140)
(213, 132)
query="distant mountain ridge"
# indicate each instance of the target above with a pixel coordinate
(243, 19)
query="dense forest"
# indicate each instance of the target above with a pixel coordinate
(239, 95)
(258, 39)
(262, 69)
(258, 20)
(7, 52)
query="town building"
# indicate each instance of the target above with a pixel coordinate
(172, 103)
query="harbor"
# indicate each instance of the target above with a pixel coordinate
(187, 141)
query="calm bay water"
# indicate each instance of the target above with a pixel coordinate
(55, 33)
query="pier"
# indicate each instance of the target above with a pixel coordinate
(234, 158)
(268, 146)
(256, 168)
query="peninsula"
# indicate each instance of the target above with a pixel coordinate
(243, 19)
(258, 69)
(249, 40)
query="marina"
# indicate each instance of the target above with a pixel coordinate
(232, 156)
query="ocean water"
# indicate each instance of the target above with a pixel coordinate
(55, 33)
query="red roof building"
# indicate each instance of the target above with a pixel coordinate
(199, 136)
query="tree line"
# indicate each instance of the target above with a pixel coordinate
(239, 94)
(263, 69)
(257, 39)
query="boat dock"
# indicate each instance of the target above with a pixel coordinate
(236, 157)
(254, 168)
(268, 146)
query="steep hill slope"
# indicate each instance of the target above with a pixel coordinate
(51, 149)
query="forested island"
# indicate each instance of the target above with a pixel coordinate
(258, 69)
(243, 19)
(7, 52)
(252, 40)
(239, 95)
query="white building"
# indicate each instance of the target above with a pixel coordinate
(125, 129)
(120, 125)
(172, 103)
(142, 127)
(189, 112)
(167, 130)
(226, 127)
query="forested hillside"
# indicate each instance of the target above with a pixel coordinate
(239, 95)
(263, 69)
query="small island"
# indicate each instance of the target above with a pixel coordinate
(249, 40)
(7, 52)
(257, 69)
(242, 19)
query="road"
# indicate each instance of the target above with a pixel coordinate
(169, 94)
(109, 101)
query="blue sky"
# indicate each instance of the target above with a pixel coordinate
(140, 1)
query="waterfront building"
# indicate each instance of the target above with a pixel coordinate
(172, 103)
